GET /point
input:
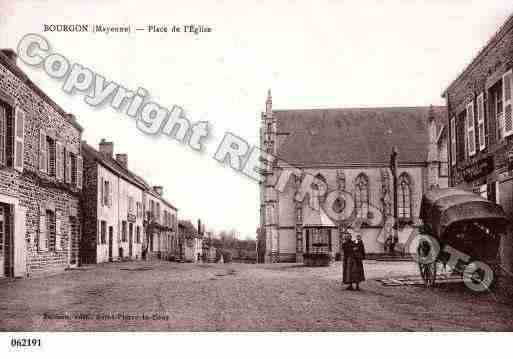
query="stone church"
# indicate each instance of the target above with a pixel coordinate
(348, 152)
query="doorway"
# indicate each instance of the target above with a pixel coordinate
(111, 240)
(130, 239)
(3, 240)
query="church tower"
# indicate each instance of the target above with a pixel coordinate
(268, 194)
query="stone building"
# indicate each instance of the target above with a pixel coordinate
(346, 152)
(40, 178)
(161, 224)
(112, 207)
(191, 241)
(480, 127)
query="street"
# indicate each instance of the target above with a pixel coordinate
(242, 297)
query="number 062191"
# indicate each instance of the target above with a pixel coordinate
(25, 342)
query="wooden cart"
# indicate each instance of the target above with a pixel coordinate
(462, 220)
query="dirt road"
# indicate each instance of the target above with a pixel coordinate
(241, 297)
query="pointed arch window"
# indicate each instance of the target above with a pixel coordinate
(361, 197)
(404, 196)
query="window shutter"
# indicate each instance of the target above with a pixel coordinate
(110, 195)
(3, 134)
(19, 146)
(471, 129)
(43, 239)
(58, 232)
(453, 140)
(102, 191)
(43, 153)
(80, 167)
(507, 94)
(481, 122)
(59, 161)
(67, 169)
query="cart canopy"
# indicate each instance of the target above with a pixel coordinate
(442, 208)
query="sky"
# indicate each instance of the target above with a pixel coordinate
(311, 54)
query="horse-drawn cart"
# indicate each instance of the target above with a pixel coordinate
(462, 225)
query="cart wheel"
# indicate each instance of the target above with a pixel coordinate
(428, 273)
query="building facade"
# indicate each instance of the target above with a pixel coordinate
(112, 205)
(480, 127)
(161, 225)
(191, 241)
(347, 153)
(40, 178)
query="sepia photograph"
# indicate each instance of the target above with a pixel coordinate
(246, 168)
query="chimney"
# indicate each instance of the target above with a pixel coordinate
(11, 54)
(199, 227)
(159, 190)
(122, 159)
(107, 148)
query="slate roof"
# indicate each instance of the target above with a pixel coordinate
(125, 173)
(13, 67)
(490, 44)
(113, 165)
(355, 136)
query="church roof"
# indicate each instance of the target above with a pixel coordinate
(338, 137)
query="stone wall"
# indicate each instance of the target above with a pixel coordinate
(37, 191)
(372, 235)
(487, 69)
(90, 212)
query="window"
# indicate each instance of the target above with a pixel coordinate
(497, 109)
(361, 196)
(318, 240)
(131, 232)
(481, 135)
(130, 204)
(73, 235)
(19, 146)
(50, 158)
(471, 128)
(73, 165)
(80, 170)
(3, 134)
(404, 196)
(12, 134)
(103, 232)
(106, 193)
(460, 137)
(123, 231)
(51, 230)
(60, 159)
(138, 234)
(507, 93)
(67, 165)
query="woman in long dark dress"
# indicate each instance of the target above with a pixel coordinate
(353, 271)
(347, 248)
(357, 272)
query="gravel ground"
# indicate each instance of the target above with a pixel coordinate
(241, 297)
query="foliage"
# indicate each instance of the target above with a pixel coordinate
(233, 248)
